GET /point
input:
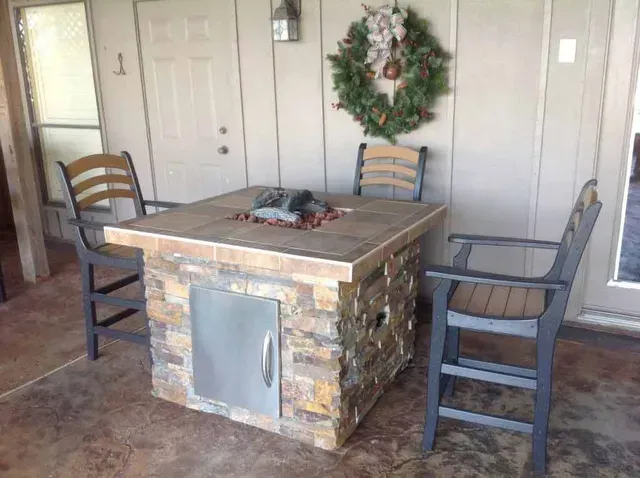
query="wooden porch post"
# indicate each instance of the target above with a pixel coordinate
(18, 159)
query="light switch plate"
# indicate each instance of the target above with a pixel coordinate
(567, 50)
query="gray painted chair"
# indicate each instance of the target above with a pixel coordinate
(498, 304)
(78, 198)
(408, 176)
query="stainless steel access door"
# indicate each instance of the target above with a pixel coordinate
(236, 349)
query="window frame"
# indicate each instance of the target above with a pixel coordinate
(34, 127)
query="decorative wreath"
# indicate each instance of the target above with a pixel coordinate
(370, 50)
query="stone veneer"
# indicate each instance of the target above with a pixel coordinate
(341, 343)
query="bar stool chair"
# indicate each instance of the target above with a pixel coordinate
(499, 304)
(411, 172)
(79, 195)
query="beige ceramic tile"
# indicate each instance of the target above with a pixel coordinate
(270, 235)
(392, 207)
(353, 228)
(233, 200)
(186, 248)
(323, 256)
(368, 260)
(373, 217)
(126, 238)
(429, 210)
(343, 201)
(359, 252)
(229, 255)
(298, 265)
(261, 260)
(394, 244)
(173, 221)
(251, 192)
(214, 212)
(387, 235)
(316, 241)
(372, 234)
(417, 224)
(220, 229)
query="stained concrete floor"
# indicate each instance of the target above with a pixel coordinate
(98, 419)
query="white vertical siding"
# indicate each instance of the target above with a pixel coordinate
(507, 150)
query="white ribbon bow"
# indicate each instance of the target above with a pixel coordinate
(383, 27)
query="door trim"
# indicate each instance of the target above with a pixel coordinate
(606, 322)
(601, 292)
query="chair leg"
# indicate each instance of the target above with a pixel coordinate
(452, 353)
(436, 352)
(542, 403)
(90, 316)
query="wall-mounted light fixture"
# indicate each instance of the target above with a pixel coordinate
(285, 21)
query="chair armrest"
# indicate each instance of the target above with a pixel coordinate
(163, 204)
(81, 223)
(503, 241)
(467, 275)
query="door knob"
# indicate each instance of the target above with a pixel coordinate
(223, 150)
(223, 130)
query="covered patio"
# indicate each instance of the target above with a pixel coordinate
(236, 238)
(98, 419)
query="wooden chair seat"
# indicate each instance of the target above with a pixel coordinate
(497, 301)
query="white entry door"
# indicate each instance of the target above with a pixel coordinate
(191, 77)
(612, 298)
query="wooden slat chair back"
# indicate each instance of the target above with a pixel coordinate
(406, 176)
(498, 304)
(120, 180)
(80, 194)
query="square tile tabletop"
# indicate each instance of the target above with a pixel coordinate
(344, 249)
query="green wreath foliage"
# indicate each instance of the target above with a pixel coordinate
(424, 77)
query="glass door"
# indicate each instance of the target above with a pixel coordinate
(59, 81)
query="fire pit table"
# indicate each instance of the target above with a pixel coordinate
(297, 331)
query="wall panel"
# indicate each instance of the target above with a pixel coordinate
(498, 64)
(258, 91)
(508, 148)
(300, 109)
(114, 29)
(563, 110)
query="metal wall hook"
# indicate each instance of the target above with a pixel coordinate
(121, 71)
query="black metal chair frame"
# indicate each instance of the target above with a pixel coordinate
(445, 362)
(419, 171)
(92, 256)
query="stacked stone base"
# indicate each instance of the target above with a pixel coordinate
(341, 343)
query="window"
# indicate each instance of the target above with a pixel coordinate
(58, 71)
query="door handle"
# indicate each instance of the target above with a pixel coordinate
(267, 359)
(223, 150)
